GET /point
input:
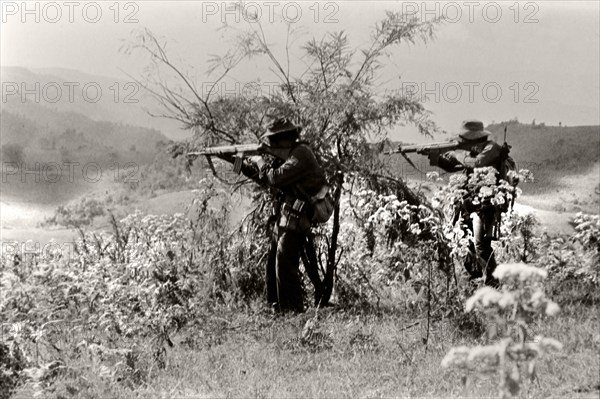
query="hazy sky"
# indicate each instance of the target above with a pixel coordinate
(491, 60)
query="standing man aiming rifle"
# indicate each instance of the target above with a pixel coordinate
(483, 151)
(299, 179)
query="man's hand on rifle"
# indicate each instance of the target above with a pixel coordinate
(450, 156)
(447, 161)
(257, 160)
(260, 164)
(451, 162)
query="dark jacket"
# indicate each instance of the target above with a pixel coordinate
(300, 169)
(297, 178)
(491, 155)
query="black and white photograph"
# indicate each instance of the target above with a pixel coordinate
(299, 199)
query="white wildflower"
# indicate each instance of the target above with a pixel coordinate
(457, 357)
(487, 354)
(519, 271)
(487, 297)
(506, 300)
(458, 180)
(550, 343)
(485, 192)
(482, 296)
(414, 228)
(433, 176)
(537, 298)
(498, 199)
(552, 308)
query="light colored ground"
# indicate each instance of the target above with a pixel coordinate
(23, 206)
(20, 220)
(571, 193)
(179, 202)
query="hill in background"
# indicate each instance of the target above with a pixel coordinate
(92, 118)
(99, 98)
(552, 152)
(40, 137)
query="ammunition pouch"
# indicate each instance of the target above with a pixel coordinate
(294, 215)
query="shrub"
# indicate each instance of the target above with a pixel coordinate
(147, 278)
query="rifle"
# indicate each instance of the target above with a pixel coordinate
(235, 150)
(425, 149)
(238, 151)
(433, 150)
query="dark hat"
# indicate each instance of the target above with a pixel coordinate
(279, 126)
(472, 130)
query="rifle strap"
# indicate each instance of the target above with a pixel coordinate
(409, 161)
(210, 164)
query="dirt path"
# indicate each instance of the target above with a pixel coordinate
(19, 222)
(24, 206)
(551, 221)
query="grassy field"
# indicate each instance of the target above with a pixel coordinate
(362, 356)
(253, 354)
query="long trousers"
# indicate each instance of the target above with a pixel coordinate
(484, 262)
(283, 280)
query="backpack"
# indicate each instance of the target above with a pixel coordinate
(322, 204)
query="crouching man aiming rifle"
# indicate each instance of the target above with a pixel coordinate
(300, 181)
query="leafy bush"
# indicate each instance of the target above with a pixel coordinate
(573, 262)
(163, 173)
(78, 214)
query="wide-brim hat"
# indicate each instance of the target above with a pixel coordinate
(472, 130)
(281, 126)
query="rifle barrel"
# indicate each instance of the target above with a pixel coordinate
(228, 149)
(444, 145)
